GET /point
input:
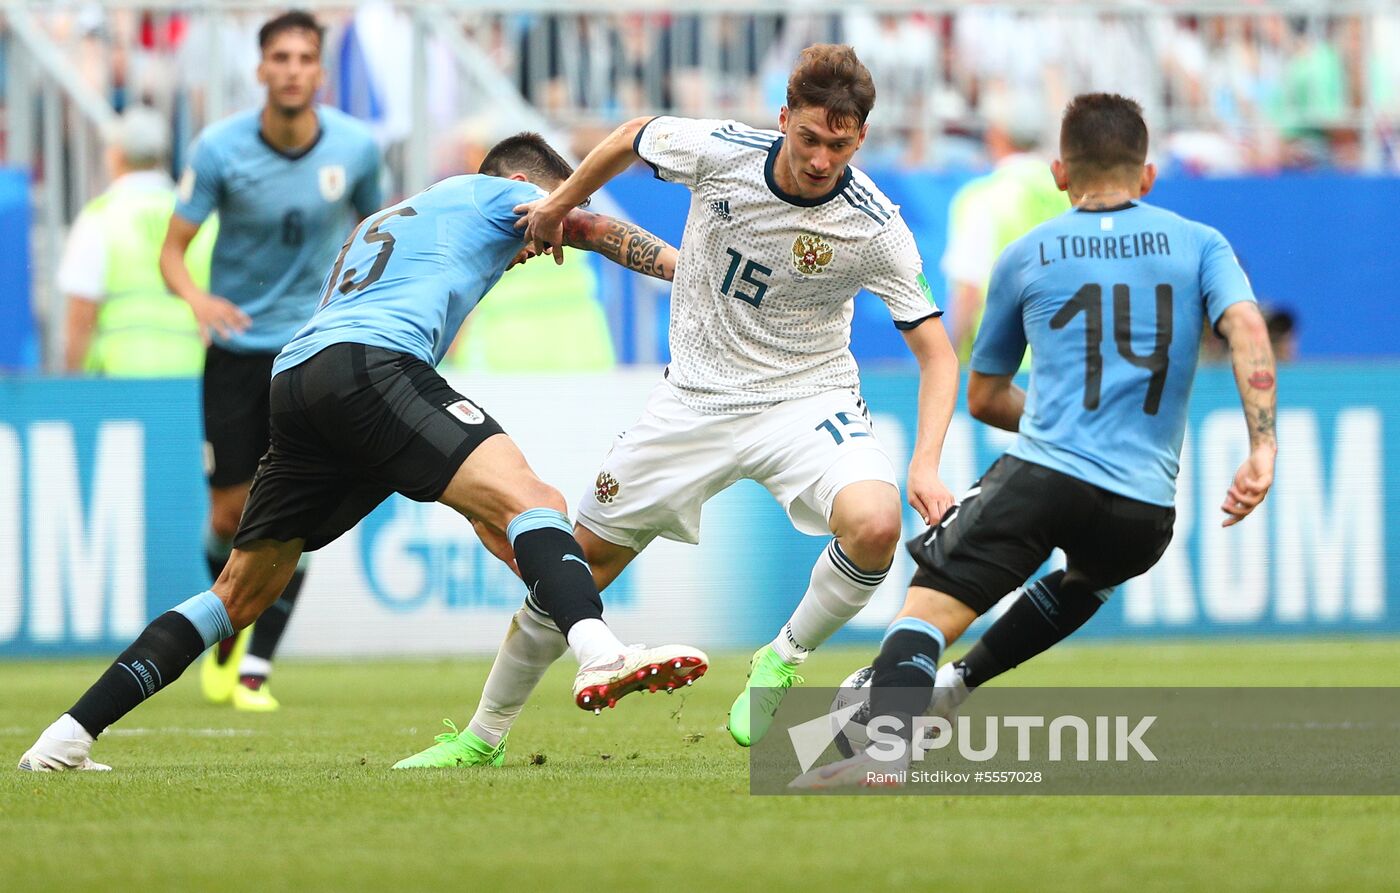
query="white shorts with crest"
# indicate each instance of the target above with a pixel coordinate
(661, 471)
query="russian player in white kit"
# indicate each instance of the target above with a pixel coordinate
(782, 234)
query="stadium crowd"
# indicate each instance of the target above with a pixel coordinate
(1256, 91)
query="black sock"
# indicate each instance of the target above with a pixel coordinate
(267, 632)
(1046, 613)
(902, 685)
(216, 561)
(157, 658)
(561, 585)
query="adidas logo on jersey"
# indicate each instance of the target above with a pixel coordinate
(720, 208)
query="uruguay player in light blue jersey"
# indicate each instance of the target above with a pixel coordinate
(1110, 297)
(282, 214)
(359, 412)
(288, 181)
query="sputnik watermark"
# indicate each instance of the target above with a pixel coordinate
(1068, 737)
(810, 739)
(1088, 740)
(1112, 739)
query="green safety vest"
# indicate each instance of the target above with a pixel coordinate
(143, 331)
(540, 317)
(1019, 196)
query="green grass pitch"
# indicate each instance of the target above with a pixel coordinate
(650, 796)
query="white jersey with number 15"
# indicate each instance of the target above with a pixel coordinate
(764, 291)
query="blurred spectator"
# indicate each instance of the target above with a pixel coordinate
(540, 317)
(1383, 73)
(372, 80)
(1313, 110)
(994, 210)
(1221, 87)
(902, 53)
(1313, 97)
(1009, 52)
(641, 46)
(1214, 350)
(1120, 53)
(1282, 332)
(1282, 335)
(122, 321)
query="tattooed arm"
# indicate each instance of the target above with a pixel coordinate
(542, 220)
(620, 242)
(1253, 358)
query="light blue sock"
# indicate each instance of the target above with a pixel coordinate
(208, 616)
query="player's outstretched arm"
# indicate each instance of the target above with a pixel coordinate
(543, 220)
(212, 312)
(620, 242)
(1252, 356)
(938, 392)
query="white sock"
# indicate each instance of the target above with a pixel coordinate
(836, 593)
(532, 643)
(593, 642)
(254, 666)
(67, 728)
(786, 646)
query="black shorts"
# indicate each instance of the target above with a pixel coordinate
(350, 426)
(1011, 520)
(235, 414)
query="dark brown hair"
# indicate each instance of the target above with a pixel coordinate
(1101, 132)
(526, 153)
(829, 76)
(296, 20)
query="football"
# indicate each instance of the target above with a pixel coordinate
(850, 736)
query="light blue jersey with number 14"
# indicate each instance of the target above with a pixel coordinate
(409, 275)
(1112, 305)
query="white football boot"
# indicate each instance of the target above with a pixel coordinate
(861, 770)
(667, 667)
(949, 692)
(62, 747)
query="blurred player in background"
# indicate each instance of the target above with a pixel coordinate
(989, 213)
(539, 317)
(122, 320)
(1094, 470)
(1283, 333)
(288, 181)
(358, 413)
(782, 233)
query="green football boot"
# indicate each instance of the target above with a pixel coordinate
(255, 700)
(751, 715)
(217, 679)
(456, 748)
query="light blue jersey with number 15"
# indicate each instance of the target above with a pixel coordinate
(1112, 305)
(409, 275)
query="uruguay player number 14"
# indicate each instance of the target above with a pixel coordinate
(1089, 301)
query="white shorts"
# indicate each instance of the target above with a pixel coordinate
(663, 469)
